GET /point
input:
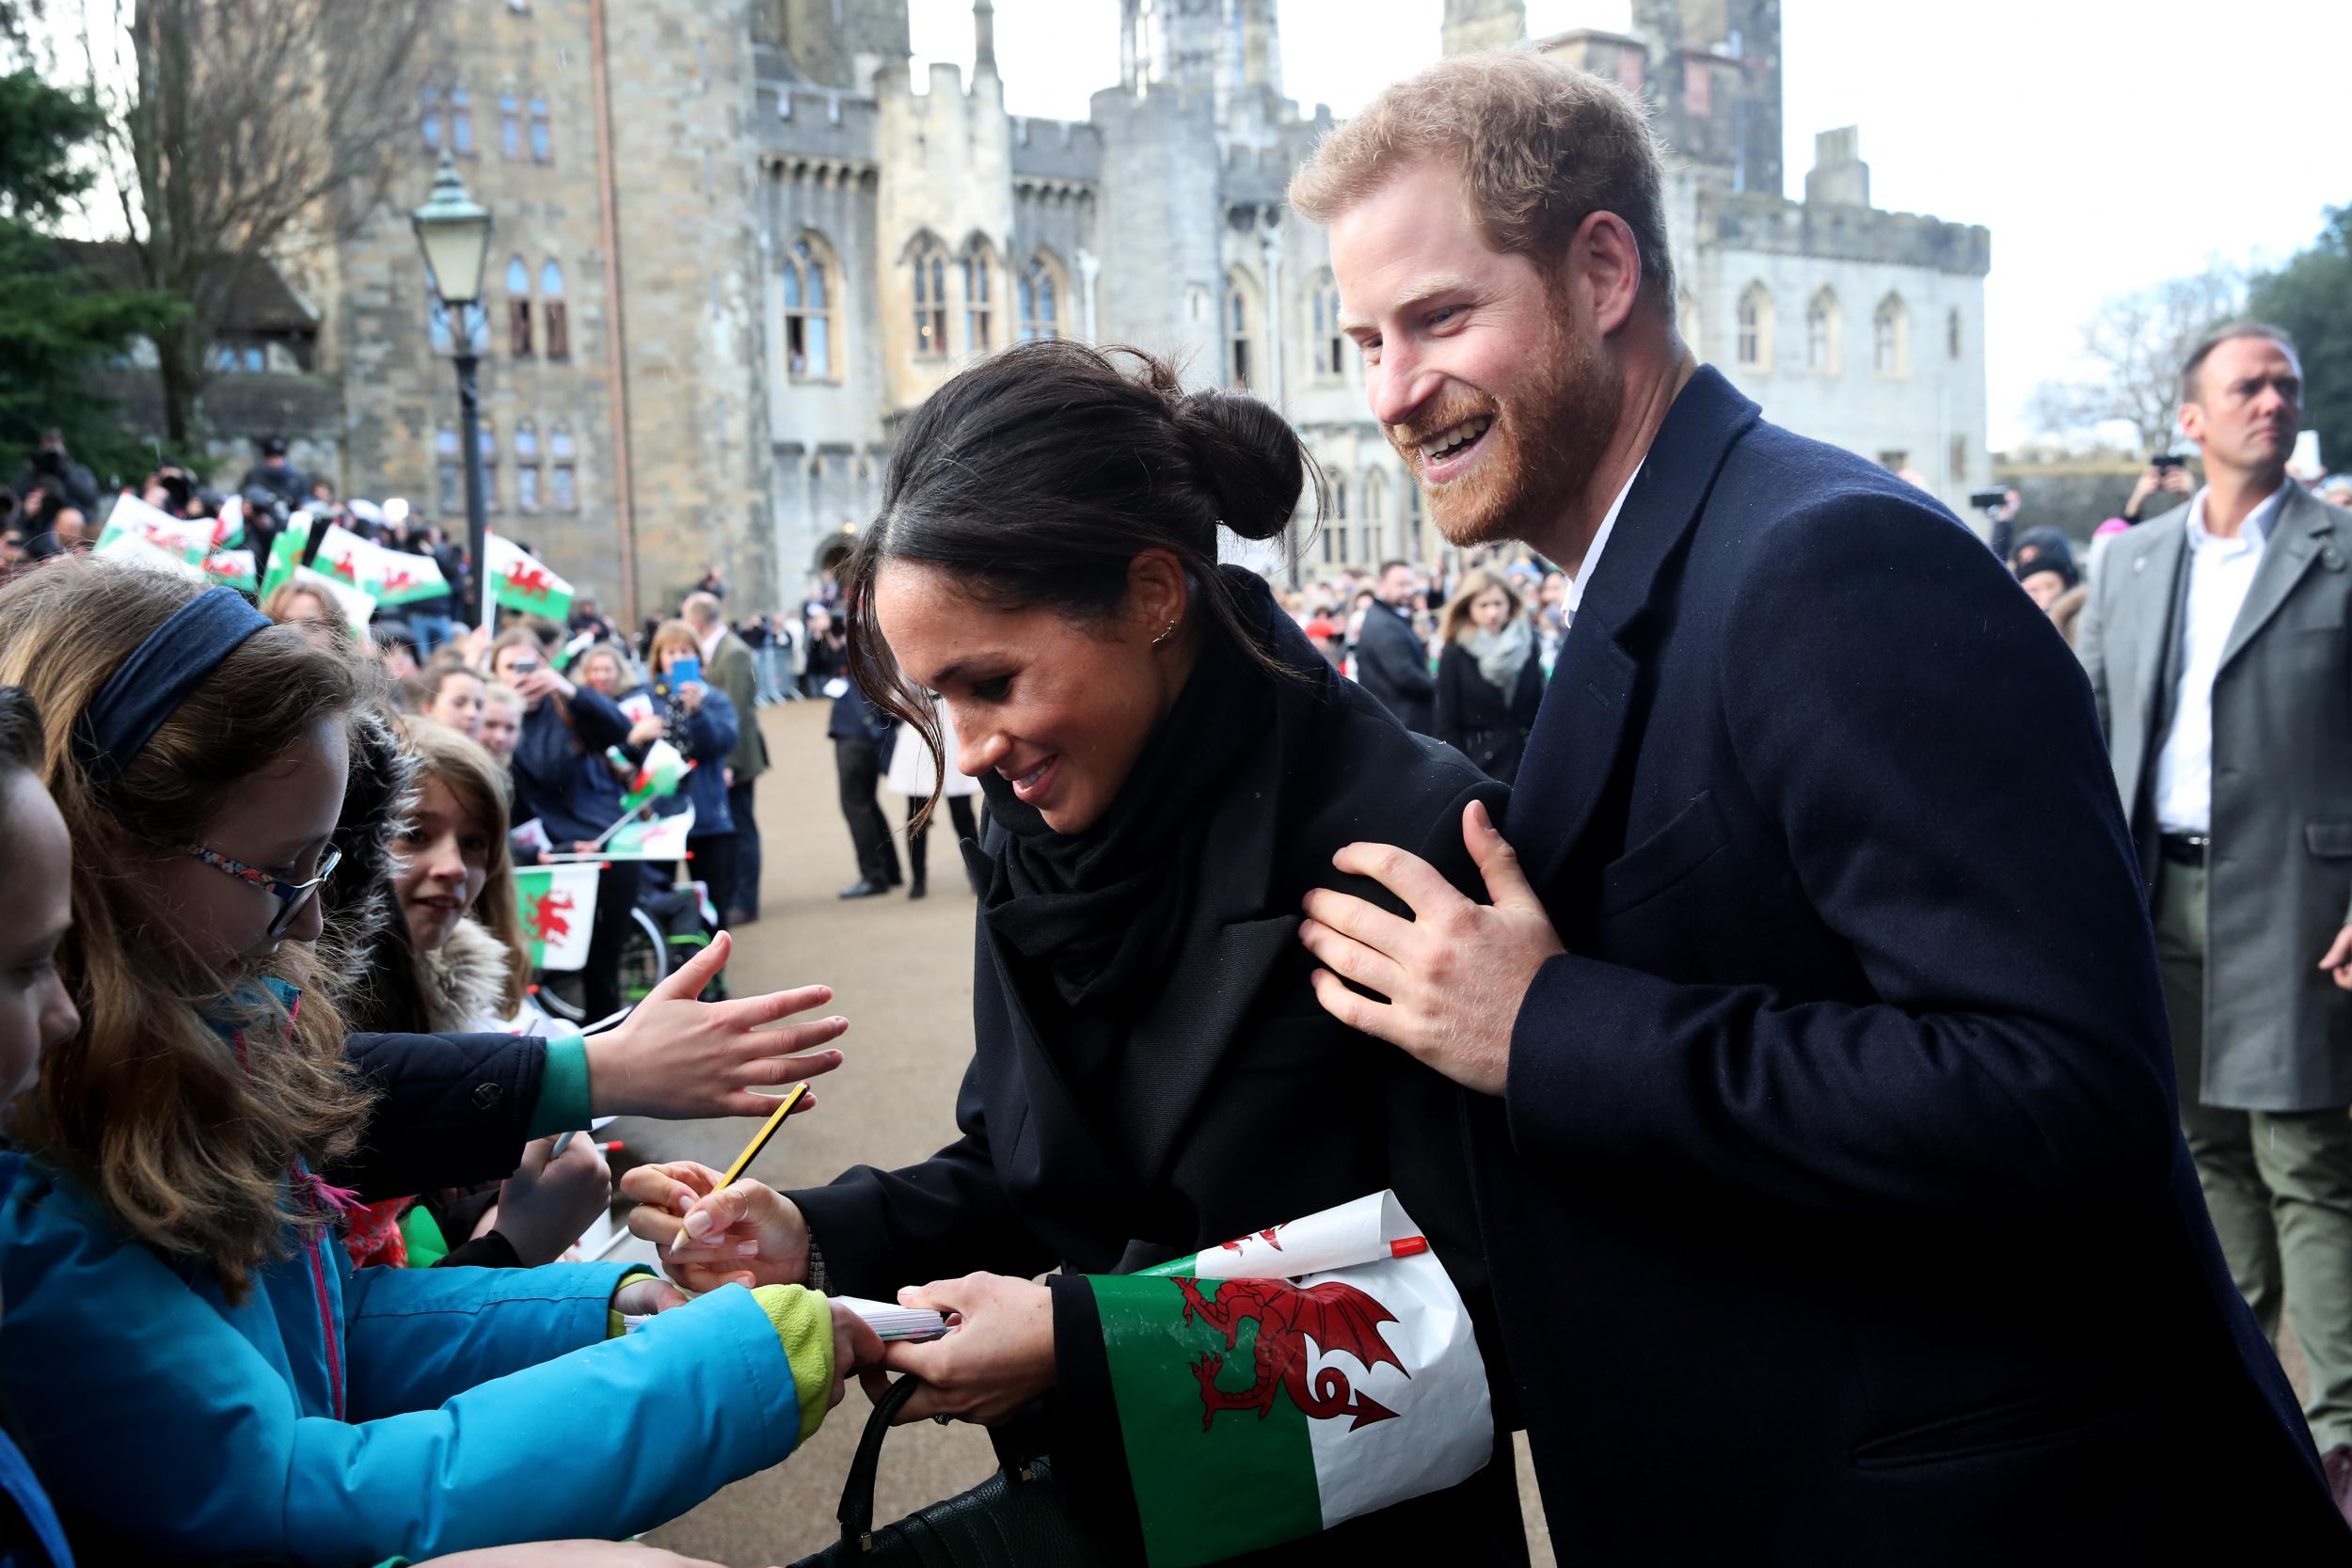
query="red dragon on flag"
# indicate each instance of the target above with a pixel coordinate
(1334, 1315)
(546, 916)
(530, 578)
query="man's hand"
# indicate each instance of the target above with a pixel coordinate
(677, 1058)
(2339, 960)
(1454, 975)
(998, 1355)
(745, 1235)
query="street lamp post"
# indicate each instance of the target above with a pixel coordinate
(453, 230)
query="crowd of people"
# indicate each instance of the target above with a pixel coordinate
(1791, 990)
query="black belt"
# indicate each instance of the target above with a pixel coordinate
(2184, 848)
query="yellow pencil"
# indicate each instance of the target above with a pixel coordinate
(751, 1151)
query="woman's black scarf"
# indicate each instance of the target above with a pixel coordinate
(1101, 912)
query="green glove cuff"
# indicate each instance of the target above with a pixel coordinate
(804, 1326)
(562, 1102)
(615, 1323)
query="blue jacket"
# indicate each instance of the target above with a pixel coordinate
(36, 1539)
(712, 732)
(557, 767)
(342, 1416)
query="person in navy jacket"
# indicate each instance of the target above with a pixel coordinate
(1829, 1167)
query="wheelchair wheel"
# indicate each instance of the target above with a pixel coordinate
(645, 957)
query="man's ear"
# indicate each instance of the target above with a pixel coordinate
(1605, 262)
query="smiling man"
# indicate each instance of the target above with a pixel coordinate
(1828, 1167)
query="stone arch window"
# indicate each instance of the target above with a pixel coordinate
(517, 308)
(1824, 331)
(980, 295)
(1687, 323)
(552, 314)
(542, 136)
(1238, 315)
(441, 329)
(429, 120)
(489, 440)
(1951, 333)
(510, 125)
(1041, 294)
(527, 466)
(810, 277)
(1890, 338)
(931, 299)
(563, 476)
(1330, 343)
(460, 122)
(449, 470)
(1754, 348)
(1375, 516)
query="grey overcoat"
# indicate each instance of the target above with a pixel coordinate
(2278, 1031)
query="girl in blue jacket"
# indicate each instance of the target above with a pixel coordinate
(202, 1371)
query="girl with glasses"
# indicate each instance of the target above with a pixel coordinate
(208, 1374)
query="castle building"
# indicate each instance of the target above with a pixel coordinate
(737, 242)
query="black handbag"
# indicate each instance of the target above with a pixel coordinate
(1020, 1518)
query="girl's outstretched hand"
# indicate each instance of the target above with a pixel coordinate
(681, 1059)
(749, 1234)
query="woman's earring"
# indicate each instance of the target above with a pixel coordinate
(1166, 632)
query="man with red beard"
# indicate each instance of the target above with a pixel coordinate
(1823, 1124)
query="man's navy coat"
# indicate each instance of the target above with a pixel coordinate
(1837, 1207)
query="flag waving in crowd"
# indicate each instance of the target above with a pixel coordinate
(521, 582)
(557, 903)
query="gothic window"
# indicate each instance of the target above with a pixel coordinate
(449, 470)
(931, 300)
(430, 104)
(1339, 501)
(563, 482)
(1687, 323)
(551, 312)
(808, 310)
(460, 122)
(439, 328)
(518, 309)
(1330, 343)
(1951, 334)
(526, 467)
(1375, 516)
(1756, 327)
(510, 126)
(542, 141)
(1823, 327)
(979, 294)
(1890, 338)
(1959, 456)
(1040, 299)
(1240, 365)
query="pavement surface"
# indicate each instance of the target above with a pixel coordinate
(901, 973)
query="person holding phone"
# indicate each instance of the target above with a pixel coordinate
(702, 722)
(732, 670)
(2166, 474)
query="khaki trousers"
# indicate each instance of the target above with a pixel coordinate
(2279, 1184)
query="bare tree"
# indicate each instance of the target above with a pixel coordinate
(245, 130)
(2132, 351)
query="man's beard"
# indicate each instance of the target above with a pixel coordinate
(1543, 444)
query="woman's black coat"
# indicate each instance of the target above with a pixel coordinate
(1241, 1102)
(1475, 719)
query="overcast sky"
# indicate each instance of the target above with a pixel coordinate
(2078, 130)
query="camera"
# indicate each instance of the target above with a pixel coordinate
(1985, 500)
(2164, 460)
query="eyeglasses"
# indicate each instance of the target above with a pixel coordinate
(291, 896)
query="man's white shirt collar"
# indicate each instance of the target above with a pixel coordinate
(1584, 574)
(2256, 528)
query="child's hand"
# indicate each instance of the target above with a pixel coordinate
(643, 1294)
(855, 1347)
(749, 1234)
(646, 730)
(682, 1059)
(569, 1554)
(549, 1201)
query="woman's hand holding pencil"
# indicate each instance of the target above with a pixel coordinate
(744, 1233)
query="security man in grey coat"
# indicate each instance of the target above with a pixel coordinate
(2219, 648)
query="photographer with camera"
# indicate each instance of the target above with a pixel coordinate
(2166, 475)
(285, 482)
(51, 470)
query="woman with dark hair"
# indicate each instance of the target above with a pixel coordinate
(1169, 767)
(1490, 677)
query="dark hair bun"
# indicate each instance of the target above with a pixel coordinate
(1249, 459)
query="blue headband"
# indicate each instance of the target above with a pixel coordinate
(158, 676)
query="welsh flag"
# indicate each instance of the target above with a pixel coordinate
(285, 551)
(405, 579)
(519, 581)
(557, 903)
(132, 549)
(359, 607)
(133, 518)
(1302, 1375)
(346, 557)
(231, 568)
(229, 531)
(660, 838)
(663, 770)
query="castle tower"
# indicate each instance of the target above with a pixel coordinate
(1473, 25)
(836, 45)
(1261, 46)
(1714, 74)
